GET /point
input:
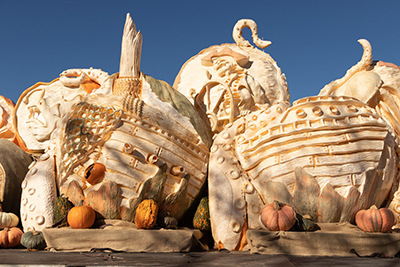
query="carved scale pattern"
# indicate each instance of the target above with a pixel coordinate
(87, 127)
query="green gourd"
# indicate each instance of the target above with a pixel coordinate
(61, 207)
(33, 240)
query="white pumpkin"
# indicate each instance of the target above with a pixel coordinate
(8, 219)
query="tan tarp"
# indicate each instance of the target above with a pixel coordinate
(333, 239)
(123, 237)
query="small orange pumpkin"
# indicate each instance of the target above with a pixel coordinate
(95, 172)
(278, 216)
(81, 217)
(10, 237)
(146, 214)
(375, 220)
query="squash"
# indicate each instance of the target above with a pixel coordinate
(61, 207)
(8, 219)
(10, 237)
(278, 216)
(201, 219)
(81, 217)
(33, 240)
(375, 220)
(146, 214)
(94, 173)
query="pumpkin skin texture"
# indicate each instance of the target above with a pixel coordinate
(375, 220)
(278, 216)
(33, 240)
(81, 217)
(10, 237)
(146, 214)
(94, 173)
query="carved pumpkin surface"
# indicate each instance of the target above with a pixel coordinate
(322, 156)
(132, 140)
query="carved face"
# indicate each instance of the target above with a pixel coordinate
(42, 117)
(225, 65)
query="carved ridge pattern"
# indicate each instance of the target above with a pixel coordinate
(130, 170)
(198, 151)
(348, 132)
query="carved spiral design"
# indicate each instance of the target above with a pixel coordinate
(240, 41)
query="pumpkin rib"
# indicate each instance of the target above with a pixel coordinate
(387, 219)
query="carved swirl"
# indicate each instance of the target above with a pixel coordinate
(240, 41)
(363, 64)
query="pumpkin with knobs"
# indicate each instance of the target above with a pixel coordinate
(146, 214)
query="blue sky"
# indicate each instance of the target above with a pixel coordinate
(314, 42)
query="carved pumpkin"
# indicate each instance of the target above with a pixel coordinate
(8, 219)
(33, 240)
(10, 237)
(146, 214)
(375, 220)
(81, 217)
(94, 173)
(278, 216)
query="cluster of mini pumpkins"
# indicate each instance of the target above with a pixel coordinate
(12, 236)
(278, 216)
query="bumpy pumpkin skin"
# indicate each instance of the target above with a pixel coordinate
(10, 237)
(375, 220)
(33, 240)
(81, 217)
(201, 219)
(61, 207)
(146, 214)
(278, 216)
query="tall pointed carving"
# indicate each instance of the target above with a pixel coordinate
(129, 80)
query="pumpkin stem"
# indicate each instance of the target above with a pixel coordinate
(277, 205)
(373, 207)
(34, 232)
